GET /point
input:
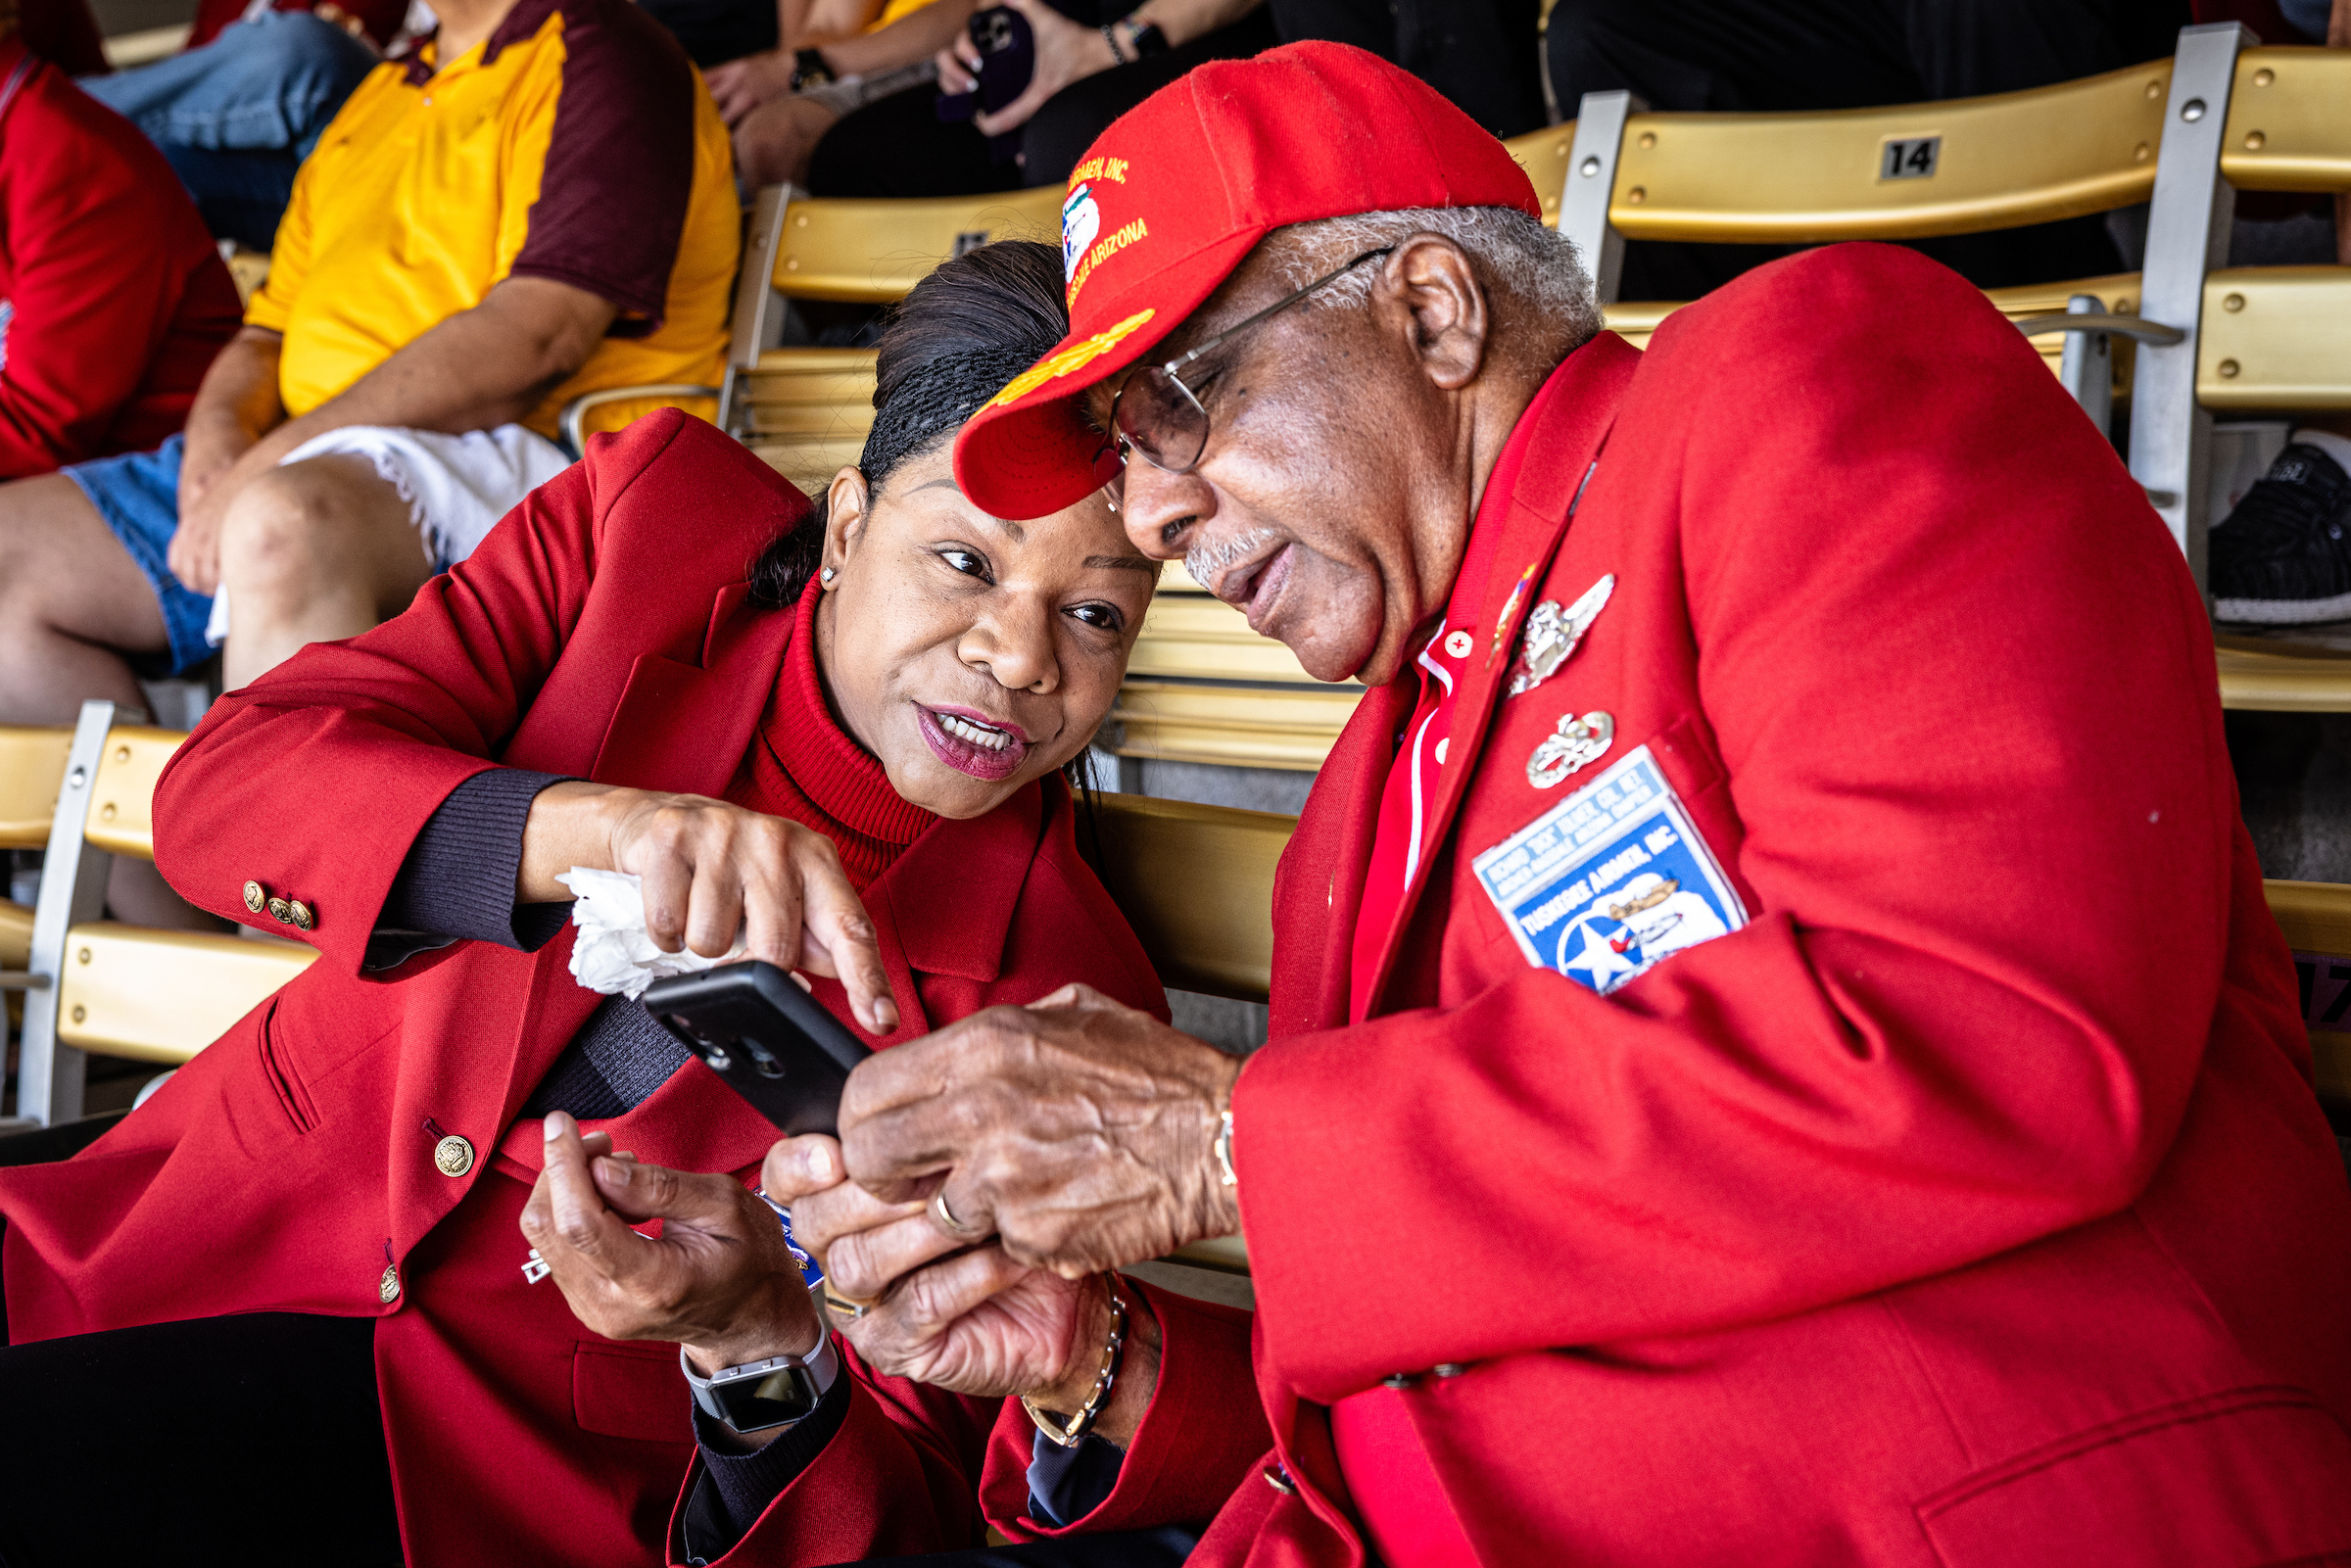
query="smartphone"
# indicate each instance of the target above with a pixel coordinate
(770, 1041)
(1007, 48)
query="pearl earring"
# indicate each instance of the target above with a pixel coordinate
(827, 576)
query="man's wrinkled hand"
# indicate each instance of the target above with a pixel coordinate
(719, 1279)
(1080, 1132)
(935, 1309)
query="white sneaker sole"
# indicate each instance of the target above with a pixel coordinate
(2282, 611)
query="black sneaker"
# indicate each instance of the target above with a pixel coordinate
(2284, 557)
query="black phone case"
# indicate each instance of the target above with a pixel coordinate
(767, 1039)
(1007, 48)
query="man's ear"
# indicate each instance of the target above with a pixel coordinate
(1434, 279)
(845, 517)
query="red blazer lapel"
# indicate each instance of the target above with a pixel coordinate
(1575, 415)
(684, 728)
(1320, 884)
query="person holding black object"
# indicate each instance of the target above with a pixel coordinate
(1089, 61)
(839, 736)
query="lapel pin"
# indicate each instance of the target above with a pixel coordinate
(1554, 634)
(1576, 744)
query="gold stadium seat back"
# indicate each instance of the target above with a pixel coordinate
(1542, 154)
(163, 996)
(2315, 919)
(872, 252)
(122, 808)
(2278, 338)
(1951, 167)
(2268, 676)
(32, 764)
(1291, 727)
(2288, 129)
(1196, 882)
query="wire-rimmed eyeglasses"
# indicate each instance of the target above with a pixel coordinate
(1156, 414)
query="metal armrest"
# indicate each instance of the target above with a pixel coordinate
(2121, 326)
(572, 421)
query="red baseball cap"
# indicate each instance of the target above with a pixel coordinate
(1171, 198)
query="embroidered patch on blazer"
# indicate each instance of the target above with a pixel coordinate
(1611, 880)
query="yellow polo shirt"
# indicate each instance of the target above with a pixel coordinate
(575, 143)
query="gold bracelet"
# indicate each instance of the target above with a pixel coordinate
(1069, 1431)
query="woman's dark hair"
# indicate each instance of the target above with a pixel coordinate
(955, 341)
(949, 346)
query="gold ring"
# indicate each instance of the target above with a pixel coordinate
(946, 1217)
(852, 1310)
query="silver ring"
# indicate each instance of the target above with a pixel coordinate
(946, 1217)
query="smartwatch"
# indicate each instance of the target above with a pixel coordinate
(761, 1395)
(1144, 37)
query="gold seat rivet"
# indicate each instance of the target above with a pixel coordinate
(2235, 301)
(2228, 369)
(2264, 77)
(1648, 138)
(121, 754)
(83, 955)
(2254, 140)
(2155, 90)
(2139, 154)
(1637, 195)
(106, 813)
(80, 1012)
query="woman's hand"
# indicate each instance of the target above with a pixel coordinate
(719, 1279)
(742, 85)
(1066, 52)
(711, 869)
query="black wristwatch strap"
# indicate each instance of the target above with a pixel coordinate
(1144, 38)
(809, 69)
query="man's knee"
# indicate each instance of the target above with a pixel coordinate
(288, 532)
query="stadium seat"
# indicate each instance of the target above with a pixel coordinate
(806, 411)
(2316, 917)
(90, 985)
(1905, 173)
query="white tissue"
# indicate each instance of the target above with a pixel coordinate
(613, 955)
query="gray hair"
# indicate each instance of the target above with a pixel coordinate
(1516, 255)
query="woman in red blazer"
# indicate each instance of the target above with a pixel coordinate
(627, 675)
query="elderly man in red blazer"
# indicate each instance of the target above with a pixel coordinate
(1778, 1051)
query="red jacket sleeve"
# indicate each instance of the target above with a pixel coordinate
(1203, 1433)
(361, 741)
(104, 250)
(1963, 690)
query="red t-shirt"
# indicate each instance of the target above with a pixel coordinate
(112, 298)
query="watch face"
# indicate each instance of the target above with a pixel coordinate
(756, 1401)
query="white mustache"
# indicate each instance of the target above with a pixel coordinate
(1205, 560)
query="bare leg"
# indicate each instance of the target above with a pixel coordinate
(310, 552)
(773, 141)
(72, 604)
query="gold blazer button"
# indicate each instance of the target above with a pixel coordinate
(454, 1156)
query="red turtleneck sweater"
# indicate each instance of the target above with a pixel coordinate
(802, 765)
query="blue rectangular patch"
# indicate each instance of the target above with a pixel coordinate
(1609, 880)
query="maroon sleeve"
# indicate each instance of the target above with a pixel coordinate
(612, 197)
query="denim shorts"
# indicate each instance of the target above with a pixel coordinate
(138, 496)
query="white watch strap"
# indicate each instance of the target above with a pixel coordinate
(823, 1365)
